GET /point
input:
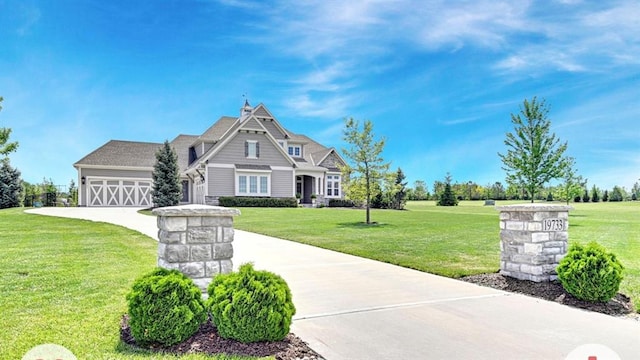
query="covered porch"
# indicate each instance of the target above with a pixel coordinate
(310, 187)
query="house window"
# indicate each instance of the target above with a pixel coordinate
(252, 149)
(253, 184)
(185, 191)
(295, 150)
(333, 185)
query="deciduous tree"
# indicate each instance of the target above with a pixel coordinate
(364, 154)
(534, 155)
(6, 147)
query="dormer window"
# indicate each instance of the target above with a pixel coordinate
(295, 150)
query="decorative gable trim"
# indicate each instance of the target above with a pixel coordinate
(333, 151)
(261, 112)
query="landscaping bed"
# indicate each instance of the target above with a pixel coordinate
(620, 305)
(207, 341)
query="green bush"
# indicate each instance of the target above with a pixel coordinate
(590, 273)
(165, 308)
(341, 203)
(251, 305)
(240, 201)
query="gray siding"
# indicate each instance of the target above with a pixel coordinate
(233, 152)
(272, 129)
(261, 112)
(252, 123)
(282, 183)
(221, 181)
(116, 173)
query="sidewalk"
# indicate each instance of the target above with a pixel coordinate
(354, 308)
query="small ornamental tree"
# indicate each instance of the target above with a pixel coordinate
(10, 185)
(534, 155)
(367, 168)
(166, 178)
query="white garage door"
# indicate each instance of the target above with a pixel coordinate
(113, 192)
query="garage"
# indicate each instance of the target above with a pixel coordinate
(119, 192)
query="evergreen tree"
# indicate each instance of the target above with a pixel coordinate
(549, 196)
(594, 194)
(605, 197)
(166, 178)
(585, 197)
(447, 198)
(10, 185)
(534, 155)
(400, 198)
(616, 194)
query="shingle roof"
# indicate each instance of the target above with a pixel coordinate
(181, 145)
(122, 153)
(219, 128)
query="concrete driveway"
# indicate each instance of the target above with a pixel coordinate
(354, 308)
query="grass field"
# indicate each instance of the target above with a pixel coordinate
(64, 281)
(449, 241)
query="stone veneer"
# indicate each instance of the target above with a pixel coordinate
(197, 240)
(533, 240)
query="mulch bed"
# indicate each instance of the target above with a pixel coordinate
(620, 305)
(207, 341)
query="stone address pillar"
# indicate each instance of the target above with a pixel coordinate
(197, 240)
(533, 240)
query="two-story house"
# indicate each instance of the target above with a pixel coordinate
(250, 155)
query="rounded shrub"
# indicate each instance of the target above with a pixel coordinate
(251, 305)
(165, 308)
(590, 273)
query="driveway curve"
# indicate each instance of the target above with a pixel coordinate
(354, 308)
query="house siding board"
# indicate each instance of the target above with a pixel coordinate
(261, 112)
(233, 152)
(273, 129)
(252, 124)
(221, 181)
(120, 174)
(282, 183)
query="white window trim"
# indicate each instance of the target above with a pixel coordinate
(294, 146)
(259, 174)
(255, 148)
(332, 181)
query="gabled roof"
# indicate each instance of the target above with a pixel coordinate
(181, 146)
(218, 129)
(118, 153)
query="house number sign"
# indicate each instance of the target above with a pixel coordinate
(554, 225)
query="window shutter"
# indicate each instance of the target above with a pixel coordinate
(258, 149)
(246, 149)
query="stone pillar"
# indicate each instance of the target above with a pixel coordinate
(197, 240)
(533, 240)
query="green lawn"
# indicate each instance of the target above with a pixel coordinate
(450, 241)
(64, 281)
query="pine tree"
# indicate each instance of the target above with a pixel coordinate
(447, 198)
(585, 197)
(400, 198)
(594, 194)
(605, 197)
(10, 185)
(166, 178)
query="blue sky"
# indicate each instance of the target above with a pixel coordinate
(439, 79)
